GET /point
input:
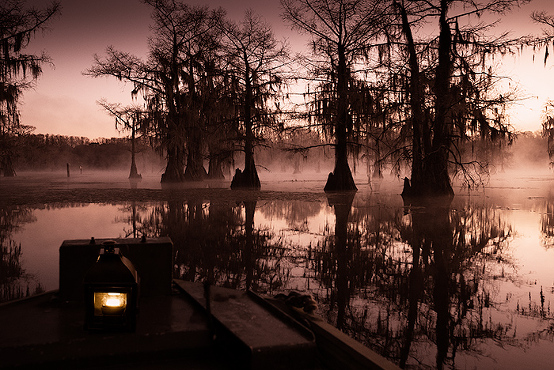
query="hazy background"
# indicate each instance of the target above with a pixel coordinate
(64, 101)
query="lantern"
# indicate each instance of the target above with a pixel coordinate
(111, 291)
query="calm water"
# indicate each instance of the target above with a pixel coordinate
(470, 282)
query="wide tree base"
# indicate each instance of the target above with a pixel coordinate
(246, 179)
(195, 173)
(216, 174)
(340, 181)
(415, 195)
(133, 174)
(169, 178)
(9, 173)
(7, 168)
(407, 190)
(215, 169)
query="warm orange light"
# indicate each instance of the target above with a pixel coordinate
(115, 300)
(109, 303)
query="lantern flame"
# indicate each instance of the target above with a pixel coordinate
(115, 300)
(109, 303)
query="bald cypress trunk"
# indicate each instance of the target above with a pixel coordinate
(175, 164)
(249, 177)
(435, 165)
(417, 120)
(7, 167)
(133, 174)
(431, 141)
(341, 178)
(174, 170)
(215, 167)
(195, 170)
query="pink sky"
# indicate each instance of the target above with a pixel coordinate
(64, 101)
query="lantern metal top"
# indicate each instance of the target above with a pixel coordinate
(111, 267)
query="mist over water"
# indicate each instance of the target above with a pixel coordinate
(355, 254)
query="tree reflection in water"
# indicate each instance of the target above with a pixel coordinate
(399, 281)
(427, 281)
(218, 242)
(428, 285)
(547, 222)
(14, 281)
(418, 284)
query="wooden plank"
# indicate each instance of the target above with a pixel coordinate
(340, 350)
(271, 343)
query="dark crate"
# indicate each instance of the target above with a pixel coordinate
(152, 258)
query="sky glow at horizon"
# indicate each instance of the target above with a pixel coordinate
(64, 101)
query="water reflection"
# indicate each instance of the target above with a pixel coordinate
(218, 242)
(132, 215)
(14, 281)
(395, 278)
(434, 285)
(401, 281)
(450, 253)
(295, 213)
(547, 222)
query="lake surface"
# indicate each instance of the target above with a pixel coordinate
(469, 283)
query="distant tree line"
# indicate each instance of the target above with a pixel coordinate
(281, 154)
(43, 152)
(39, 152)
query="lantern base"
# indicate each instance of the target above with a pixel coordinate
(111, 323)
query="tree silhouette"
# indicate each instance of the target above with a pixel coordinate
(341, 34)
(543, 18)
(18, 71)
(131, 118)
(168, 81)
(256, 60)
(451, 91)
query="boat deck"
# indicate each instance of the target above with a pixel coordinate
(171, 330)
(42, 330)
(236, 330)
